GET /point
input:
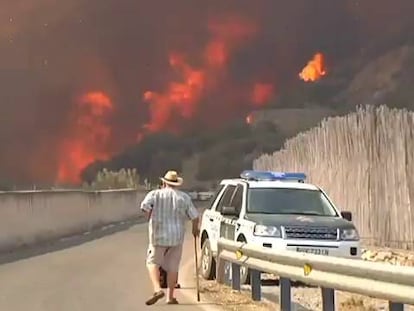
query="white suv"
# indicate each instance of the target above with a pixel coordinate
(279, 211)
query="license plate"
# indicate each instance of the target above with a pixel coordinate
(316, 251)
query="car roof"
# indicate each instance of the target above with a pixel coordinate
(272, 184)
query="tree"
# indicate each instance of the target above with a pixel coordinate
(124, 178)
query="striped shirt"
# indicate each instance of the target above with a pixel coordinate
(170, 209)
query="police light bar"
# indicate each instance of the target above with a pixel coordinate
(272, 176)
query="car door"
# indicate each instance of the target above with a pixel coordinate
(216, 223)
(212, 217)
(229, 223)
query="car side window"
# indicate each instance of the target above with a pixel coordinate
(214, 198)
(225, 198)
(237, 199)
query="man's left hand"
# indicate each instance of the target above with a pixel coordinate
(196, 232)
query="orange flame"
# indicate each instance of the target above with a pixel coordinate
(314, 70)
(89, 137)
(179, 96)
(216, 53)
(182, 98)
(262, 93)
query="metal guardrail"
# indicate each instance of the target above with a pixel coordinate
(373, 279)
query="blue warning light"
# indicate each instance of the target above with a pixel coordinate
(272, 176)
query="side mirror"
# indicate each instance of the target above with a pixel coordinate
(347, 215)
(229, 211)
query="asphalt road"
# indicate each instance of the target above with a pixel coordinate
(106, 274)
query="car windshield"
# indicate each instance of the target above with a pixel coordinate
(289, 201)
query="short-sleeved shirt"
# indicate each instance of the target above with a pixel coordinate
(170, 209)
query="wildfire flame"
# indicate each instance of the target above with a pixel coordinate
(182, 98)
(90, 134)
(314, 70)
(179, 97)
(179, 101)
(88, 139)
(262, 93)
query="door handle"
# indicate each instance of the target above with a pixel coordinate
(211, 219)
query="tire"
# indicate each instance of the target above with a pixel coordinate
(208, 263)
(244, 271)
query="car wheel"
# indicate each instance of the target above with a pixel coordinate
(208, 263)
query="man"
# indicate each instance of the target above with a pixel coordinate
(168, 209)
(163, 273)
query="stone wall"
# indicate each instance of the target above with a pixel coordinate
(33, 216)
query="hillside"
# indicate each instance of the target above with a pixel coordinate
(88, 84)
(384, 80)
(206, 156)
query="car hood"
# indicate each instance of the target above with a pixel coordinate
(299, 220)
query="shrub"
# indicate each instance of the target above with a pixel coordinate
(124, 178)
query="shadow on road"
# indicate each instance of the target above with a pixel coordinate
(67, 242)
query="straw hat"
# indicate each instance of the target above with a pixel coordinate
(172, 178)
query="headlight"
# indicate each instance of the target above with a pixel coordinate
(272, 231)
(349, 235)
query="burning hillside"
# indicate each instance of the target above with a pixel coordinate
(181, 99)
(88, 138)
(81, 80)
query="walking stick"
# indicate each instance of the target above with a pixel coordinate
(196, 269)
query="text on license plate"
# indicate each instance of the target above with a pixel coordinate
(316, 251)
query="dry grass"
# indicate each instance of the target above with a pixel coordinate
(231, 300)
(348, 302)
(355, 304)
(364, 161)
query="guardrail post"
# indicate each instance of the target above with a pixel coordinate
(285, 294)
(328, 299)
(235, 276)
(220, 267)
(256, 280)
(392, 306)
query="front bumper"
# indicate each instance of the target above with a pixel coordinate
(343, 249)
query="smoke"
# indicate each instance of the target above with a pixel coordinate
(218, 60)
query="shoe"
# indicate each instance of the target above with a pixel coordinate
(154, 298)
(172, 302)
